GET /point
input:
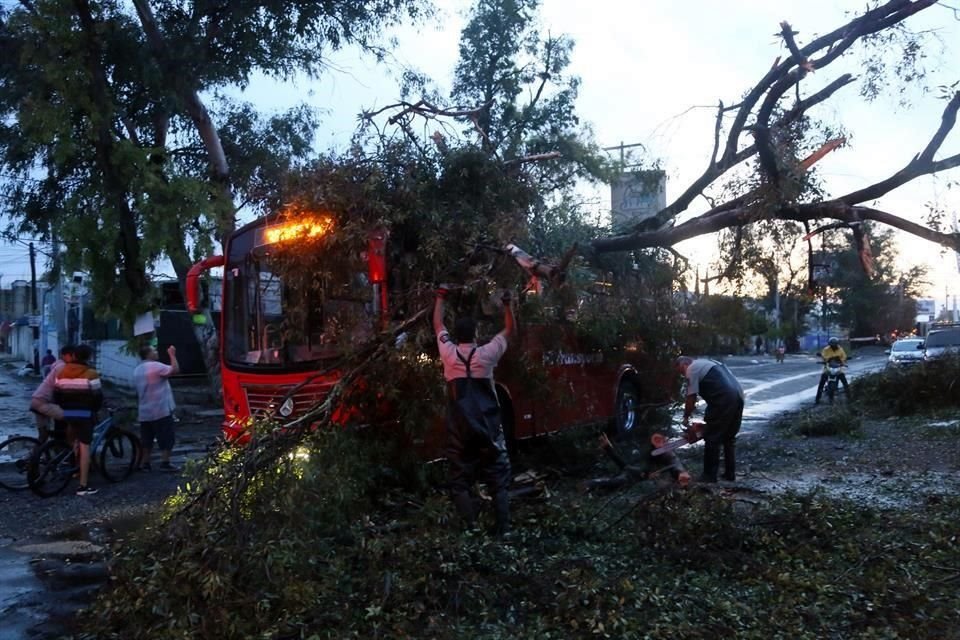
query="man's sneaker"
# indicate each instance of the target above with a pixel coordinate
(86, 491)
(169, 468)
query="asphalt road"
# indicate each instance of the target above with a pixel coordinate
(773, 387)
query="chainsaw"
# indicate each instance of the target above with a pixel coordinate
(662, 445)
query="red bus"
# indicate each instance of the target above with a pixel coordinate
(581, 383)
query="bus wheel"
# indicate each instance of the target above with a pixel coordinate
(627, 409)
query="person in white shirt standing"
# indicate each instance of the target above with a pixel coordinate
(155, 405)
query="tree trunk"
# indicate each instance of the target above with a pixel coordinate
(207, 333)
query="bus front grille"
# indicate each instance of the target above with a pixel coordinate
(264, 400)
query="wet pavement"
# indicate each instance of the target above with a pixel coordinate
(53, 550)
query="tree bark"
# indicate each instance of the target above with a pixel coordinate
(206, 334)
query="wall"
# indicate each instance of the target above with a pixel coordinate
(114, 363)
(21, 343)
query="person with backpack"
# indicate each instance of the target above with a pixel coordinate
(476, 446)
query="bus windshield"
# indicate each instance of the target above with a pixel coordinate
(285, 322)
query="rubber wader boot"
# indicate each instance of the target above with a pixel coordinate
(711, 462)
(729, 462)
(464, 504)
(501, 509)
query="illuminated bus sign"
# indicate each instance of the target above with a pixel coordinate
(294, 230)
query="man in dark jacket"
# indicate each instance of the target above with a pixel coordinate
(475, 440)
(724, 396)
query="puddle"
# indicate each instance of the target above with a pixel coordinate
(46, 581)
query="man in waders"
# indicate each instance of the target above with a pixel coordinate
(724, 396)
(475, 442)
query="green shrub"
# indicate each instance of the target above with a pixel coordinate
(903, 391)
(665, 565)
(821, 421)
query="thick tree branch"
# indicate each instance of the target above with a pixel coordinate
(718, 127)
(196, 109)
(833, 209)
(922, 164)
(947, 122)
(761, 102)
(714, 171)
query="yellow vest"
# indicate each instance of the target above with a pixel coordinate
(829, 352)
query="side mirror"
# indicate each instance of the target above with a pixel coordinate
(920, 346)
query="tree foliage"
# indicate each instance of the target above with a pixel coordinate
(879, 305)
(105, 140)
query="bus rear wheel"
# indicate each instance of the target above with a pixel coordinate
(626, 417)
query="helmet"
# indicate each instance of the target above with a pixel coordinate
(834, 342)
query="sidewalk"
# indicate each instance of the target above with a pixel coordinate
(15, 392)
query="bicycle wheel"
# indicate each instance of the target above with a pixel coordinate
(118, 454)
(51, 468)
(15, 455)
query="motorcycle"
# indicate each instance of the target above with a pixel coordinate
(835, 369)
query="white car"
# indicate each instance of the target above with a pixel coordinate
(905, 352)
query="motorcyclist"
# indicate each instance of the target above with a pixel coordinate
(833, 351)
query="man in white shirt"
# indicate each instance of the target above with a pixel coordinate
(475, 440)
(713, 382)
(155, 405)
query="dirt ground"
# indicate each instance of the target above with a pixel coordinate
(887, 462)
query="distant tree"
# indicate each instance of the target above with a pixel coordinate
(716, 324)
(879, 305)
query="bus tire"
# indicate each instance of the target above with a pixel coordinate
(626, 410)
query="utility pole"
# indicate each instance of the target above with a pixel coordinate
(33, 304)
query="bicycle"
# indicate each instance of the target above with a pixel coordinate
(15, 453)
(113, 451)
